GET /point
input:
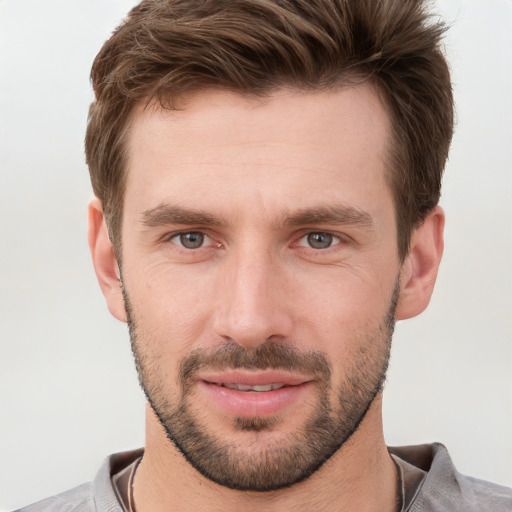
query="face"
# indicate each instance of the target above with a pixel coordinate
(260, 276)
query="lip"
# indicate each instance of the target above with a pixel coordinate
(258, 378)
(253, 404)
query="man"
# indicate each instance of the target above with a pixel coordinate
(267, 177)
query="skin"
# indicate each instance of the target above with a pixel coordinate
(250, 165)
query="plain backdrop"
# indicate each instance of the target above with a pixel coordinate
(68, 391)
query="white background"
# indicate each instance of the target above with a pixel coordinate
(68, 392)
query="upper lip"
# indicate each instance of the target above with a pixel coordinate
(254, 378)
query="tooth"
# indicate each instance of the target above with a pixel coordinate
(266, 387)
(246, 387)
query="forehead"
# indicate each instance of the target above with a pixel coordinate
(223, 149)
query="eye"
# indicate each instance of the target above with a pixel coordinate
(190, 240)
(319, 240)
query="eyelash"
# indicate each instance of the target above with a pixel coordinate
(335, 239)
(173, 236)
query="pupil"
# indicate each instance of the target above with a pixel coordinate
(320, 240)
(192, 240)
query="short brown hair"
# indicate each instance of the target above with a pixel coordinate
(166, 48)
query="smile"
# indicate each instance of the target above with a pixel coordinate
(254, 394)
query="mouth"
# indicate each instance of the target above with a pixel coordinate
(256, 395)
(247, 388)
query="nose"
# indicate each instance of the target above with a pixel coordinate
(252, 305)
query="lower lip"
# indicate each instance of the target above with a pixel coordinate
(254, 404)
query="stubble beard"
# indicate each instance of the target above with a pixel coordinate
(267, 462)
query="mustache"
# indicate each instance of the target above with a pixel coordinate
(267, 356)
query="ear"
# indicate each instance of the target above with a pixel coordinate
(419, 270)
(104, 261)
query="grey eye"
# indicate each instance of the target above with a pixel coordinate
(320, 240)
(192, 240)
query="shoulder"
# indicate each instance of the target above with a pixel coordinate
(461, 493)
(96, 496)
(78, 499)
(445, 489)
(487, 494)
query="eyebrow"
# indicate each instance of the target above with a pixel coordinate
(171, 214)
(337, 215)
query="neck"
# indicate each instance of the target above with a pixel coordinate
(360, 476)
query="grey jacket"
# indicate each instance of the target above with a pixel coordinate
(444, 489)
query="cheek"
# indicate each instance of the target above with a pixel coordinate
(328, 305)
(343, 297)
(171, 308)
(340, 315)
